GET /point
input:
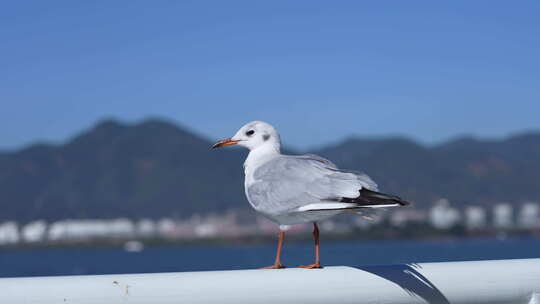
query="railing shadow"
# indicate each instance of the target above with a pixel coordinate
(411, 280)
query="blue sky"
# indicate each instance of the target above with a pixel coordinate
(319, 70)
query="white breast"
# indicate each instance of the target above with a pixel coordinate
(255, 159)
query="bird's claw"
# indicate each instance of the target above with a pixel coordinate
(275, 266)
(311, 266)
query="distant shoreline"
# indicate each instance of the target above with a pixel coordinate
(389, 234)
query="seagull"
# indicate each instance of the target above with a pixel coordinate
(298, 189)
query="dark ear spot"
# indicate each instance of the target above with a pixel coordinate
(266, 137)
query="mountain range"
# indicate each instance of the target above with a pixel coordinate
(156, 168)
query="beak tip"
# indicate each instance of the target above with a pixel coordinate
(224, 143)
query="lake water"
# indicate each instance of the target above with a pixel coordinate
(70, 261)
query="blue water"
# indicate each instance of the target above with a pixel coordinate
(70, 261)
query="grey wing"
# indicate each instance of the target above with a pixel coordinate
(289, 183)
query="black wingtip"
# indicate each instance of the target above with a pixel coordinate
(370, 197)
(405, 203)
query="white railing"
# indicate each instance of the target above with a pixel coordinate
(486, 282)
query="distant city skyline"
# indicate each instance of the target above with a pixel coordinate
(319, 71)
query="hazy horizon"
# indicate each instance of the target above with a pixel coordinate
(285, 142)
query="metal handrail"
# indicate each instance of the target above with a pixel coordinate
(475, 282)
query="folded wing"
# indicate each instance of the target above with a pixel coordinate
(311, 183)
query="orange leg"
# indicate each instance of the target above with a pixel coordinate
(277, 263)
(317, 263)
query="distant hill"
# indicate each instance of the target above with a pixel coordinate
(465, 170)
(155, 169)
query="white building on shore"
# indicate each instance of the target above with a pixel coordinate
(475, 217)
(502, 216)
(9, 233)
(529, 215)
(443, 216)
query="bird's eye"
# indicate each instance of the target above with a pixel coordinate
(250, 132)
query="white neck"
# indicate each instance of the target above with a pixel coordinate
(260, 155)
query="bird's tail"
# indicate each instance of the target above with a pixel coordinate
(366, 199)
(374, 199)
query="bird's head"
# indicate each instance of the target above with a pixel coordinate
(253, 135)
